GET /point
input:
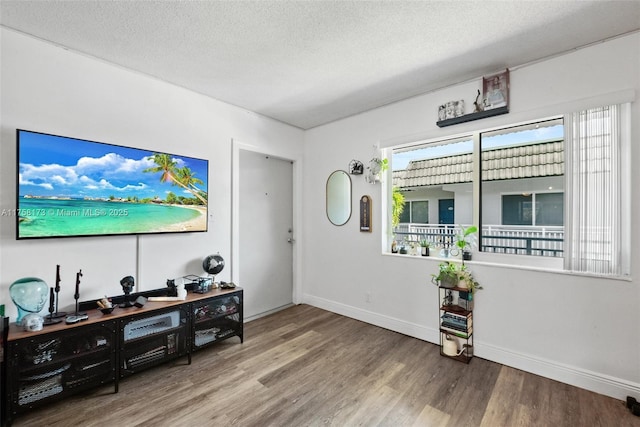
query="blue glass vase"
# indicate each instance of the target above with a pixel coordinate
(29, 294)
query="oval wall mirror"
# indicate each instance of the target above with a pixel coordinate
(339, 197)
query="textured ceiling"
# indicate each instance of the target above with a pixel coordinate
(307, 63)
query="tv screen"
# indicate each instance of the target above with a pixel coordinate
(72, 187)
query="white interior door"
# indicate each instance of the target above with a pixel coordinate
(265, 232)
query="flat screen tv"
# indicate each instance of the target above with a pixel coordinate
(68, 187)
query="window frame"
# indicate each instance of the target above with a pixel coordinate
(515, 260)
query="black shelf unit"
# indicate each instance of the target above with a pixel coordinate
(456, 322)
(60, 360)
(48, 368)
(216, 319)
(4, 334)
(152, 339)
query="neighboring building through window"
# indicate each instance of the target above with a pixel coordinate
(533, 209)
(415, 211)
(521, 192)
(519, 166)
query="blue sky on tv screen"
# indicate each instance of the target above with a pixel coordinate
(54, 166)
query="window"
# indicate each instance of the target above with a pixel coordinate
(426, 174)
(512, 183)
(517, 209)
(522, 189)
(415, 211)
(549, 209)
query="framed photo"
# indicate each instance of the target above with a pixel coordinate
(495, 90)
(451, 109)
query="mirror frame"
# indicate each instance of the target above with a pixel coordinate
(342, 182)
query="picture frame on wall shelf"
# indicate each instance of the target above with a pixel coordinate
(495, 90)
(451, 109)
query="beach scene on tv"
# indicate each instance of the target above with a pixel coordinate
(72, 187)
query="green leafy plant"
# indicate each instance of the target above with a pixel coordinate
(451, 274)
(467, 277)
(398, 207)
(448, 275)
(464, 240)
(375, 169)
(425, 243)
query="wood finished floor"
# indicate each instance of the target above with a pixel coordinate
(308, 367)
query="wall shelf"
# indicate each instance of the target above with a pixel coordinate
(473, 116)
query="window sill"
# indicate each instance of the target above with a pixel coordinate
(518, 262)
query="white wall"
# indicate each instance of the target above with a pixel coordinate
(577, 329)
(48, 89)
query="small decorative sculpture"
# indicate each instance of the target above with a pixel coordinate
(356, 167)
(76, 296)
(127, 284)
(50, 320)
(29, 294)
(58, 314)
(478, 106)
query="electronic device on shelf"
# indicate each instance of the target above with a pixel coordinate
(151, 325)
(150, 356)
(114, 215)
(75, 319)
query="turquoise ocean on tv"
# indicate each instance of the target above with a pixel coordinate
(42, 217)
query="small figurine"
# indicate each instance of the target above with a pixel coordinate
(356, 167)
(478, 106)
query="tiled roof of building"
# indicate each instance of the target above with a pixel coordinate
(525, 161)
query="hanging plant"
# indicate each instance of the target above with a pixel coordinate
(375, 169)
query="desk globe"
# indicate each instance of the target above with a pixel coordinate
(29, 294)
(213, 264)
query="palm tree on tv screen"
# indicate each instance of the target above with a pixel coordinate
(188, 178)
(183, 177)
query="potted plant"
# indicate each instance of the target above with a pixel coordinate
(424, 245)
(465, 241)
(448, 275)
(467, 281)
(452, 275)
(375, 169)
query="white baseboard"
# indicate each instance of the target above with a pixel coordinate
(266, 313)
(572, 375)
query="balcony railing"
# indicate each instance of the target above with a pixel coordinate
(508, 239)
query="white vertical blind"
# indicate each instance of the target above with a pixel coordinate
(593, 202)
